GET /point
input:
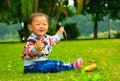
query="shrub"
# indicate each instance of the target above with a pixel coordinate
(51, 30)
(21, 34)
(72, 31)
(117, 35)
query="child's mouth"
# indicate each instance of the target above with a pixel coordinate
(41, 30)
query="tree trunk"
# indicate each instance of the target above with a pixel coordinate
(35, 5)
(95, 29)
(96, 25)
(26, 30)
(108, 26)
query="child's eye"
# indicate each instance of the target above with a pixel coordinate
(44, 24)
(38, 24)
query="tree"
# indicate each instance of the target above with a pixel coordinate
(10, 10)
(113, 9)
(98, 9)
(4, 8)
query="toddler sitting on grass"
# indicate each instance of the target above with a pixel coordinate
(39, 45)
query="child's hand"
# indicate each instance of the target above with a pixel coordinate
(38, 45)
(61, 30)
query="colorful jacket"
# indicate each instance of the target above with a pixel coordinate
(31, 54)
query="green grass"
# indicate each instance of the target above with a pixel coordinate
(105, 52)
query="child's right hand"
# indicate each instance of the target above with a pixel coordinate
(38, 45)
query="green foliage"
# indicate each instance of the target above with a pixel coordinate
(85, 25)
(10, 10)
(71, 10)
(72, 31)
(4, 8)
(114, 9)
(117, 35)
(103, 8)
(27, 9)
(100, 8)
(8, 32)
(51, 30)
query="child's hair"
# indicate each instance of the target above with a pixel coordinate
(37, 15)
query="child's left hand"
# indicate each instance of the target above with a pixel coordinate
(61, 30)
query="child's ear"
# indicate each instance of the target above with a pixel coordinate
(30, 27)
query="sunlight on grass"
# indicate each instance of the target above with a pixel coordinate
(106, 53)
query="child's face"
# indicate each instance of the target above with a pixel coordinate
(39, 25)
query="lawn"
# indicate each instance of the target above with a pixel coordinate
(106, 53)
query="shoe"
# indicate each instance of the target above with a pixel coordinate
(78, 64)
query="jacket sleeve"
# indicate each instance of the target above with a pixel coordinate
(56, 38)
(29, 50)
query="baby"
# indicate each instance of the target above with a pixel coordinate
(39, 45)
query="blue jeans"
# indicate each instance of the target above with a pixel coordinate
(49, 66)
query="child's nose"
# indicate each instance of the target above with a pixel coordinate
(41, 26)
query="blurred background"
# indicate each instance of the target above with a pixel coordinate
(82, 19)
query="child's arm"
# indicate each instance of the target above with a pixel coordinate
(58, 36)
(61, 30)
(32, 49)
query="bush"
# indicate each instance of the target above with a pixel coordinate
(117, 35)
(51, 30)
(72, 31)
(21, 34)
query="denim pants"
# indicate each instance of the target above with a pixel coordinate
(49, 66)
